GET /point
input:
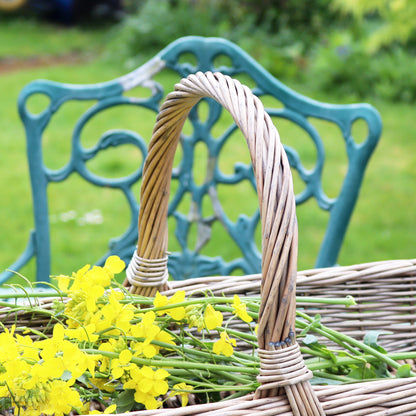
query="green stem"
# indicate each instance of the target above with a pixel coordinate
(315, 353)
(28, 294)
(347, 301)
(325, 363)
(242, 335)
(203, 354)
(213, 387)
(252, 301)
(320, 329)
(32, 309)
(343, 339)
(172, 363)
(343, 379)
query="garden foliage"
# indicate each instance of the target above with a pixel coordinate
(362, 48)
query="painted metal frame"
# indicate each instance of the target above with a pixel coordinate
(190, 262)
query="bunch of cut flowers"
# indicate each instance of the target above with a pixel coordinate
(101, 349)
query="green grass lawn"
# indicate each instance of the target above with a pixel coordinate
(23, 38)
(382, 225)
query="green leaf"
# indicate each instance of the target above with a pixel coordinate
(404, 371)
(316, 380)
(125, 401)
(371, 338)
(66, 375)
(84, 379)
(362, 372)
(314, 324)
(5, 403)
(381, 369)
(310, 341)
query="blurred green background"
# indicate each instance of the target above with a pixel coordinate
(336, 51)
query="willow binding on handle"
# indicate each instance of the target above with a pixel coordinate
(282, 366)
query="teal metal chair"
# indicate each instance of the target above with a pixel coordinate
(189, 261)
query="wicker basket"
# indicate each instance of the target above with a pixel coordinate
(284, 378)
(385, 291)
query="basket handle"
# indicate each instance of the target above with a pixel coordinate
(281, 363)
(274, 188)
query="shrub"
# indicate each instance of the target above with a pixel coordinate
(397, 18)
(274, 35)
(292, 41)
(344, 66)
(158, 23)
(396, 73)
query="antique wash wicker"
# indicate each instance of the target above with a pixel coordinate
(385, 291)
(285, 388)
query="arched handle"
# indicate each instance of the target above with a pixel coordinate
(281, 363)
(274, 188)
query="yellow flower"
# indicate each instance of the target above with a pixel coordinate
(102, 384)
(62, 399)
(112, 345)
(78, 279)
(165, 337)
(56, 349)
(182, 390)
(84, 333)
(110, 409)
(224, 345)
(176, 313)
(148, 330)
(63, 282)
(88, 285)
(50, 368)
(212, 318)
(125, 356)
(240, 310)
(148, 384)
(27, 349)
(147, 399)
(51, 346)
(76, 361)
(121, 364)
(194, 316)
(84, 293)
(91, 296)
(9, 348)
(153, 381)
(114, 314)
(114, 265)
(34, 394)
(119, 370)
(98, 276)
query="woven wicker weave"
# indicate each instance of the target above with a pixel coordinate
(285, 389)
(385, 293)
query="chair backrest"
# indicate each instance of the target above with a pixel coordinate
(184, 56)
